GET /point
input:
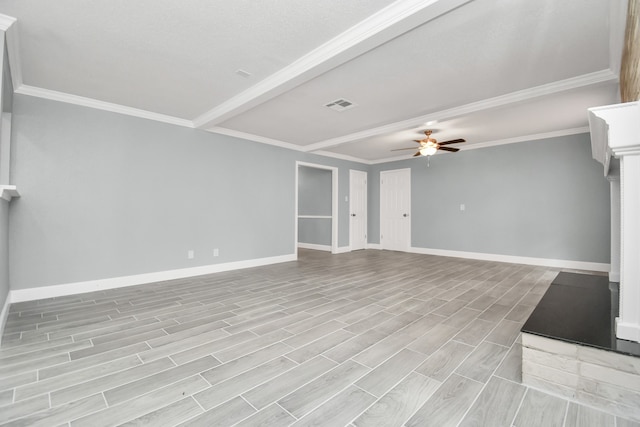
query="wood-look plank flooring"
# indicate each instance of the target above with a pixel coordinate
(368, 338)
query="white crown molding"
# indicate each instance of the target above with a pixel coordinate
(405, 158)
(595, 78)
(255, 138)
(388, 23)
(525, 138)
(20, 295)
(395, 159)
(343, 157)
(100, 105)
(9, 25)
(543, 262)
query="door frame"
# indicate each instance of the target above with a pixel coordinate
(334, 204)
(408, 170)
(353, 172)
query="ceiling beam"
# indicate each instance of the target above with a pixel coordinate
(390, 22)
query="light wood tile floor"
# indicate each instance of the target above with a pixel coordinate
(369, 338)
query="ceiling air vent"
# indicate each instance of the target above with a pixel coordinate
(340, 105)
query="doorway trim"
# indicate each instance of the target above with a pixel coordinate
(353, 172)
(407, 247)
(334, 204)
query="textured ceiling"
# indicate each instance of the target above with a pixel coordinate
(487, 70)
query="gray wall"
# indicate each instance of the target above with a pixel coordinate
(314, 198)
(314, 191)
(544, 199)
(105, 195)
(314, 230)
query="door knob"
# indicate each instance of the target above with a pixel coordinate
(353, 214)
(405, 215)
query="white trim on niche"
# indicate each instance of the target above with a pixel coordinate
(512, 259)
(334, 201)
(20, 295)
(315, 247)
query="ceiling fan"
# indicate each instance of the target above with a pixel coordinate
(429, 146)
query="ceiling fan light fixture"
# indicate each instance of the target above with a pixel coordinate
(429, 146)
(428, 150)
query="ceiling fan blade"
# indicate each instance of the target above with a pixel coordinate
(453, 141)
(417, 154)
(419, 141)
(453, 150)
(400, 149)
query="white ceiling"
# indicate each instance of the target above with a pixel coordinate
(489, 71)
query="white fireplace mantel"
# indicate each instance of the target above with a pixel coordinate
(615, 132)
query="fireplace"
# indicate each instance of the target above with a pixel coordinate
(570, 348)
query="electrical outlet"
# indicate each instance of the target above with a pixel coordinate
(190, 254)
(216, 252)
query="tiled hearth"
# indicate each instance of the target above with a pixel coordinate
(569, 347)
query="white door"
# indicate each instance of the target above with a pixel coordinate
(395, 209)
(357, 209)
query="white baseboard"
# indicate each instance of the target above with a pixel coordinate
(543, 262)
(314, 247)
(327, 248)
(20, 295)
(374, 246)
(4, 315)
